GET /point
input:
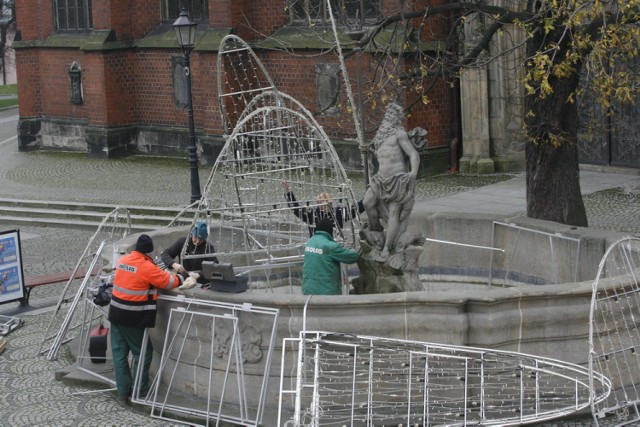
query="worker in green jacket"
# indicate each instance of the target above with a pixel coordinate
(322, 258)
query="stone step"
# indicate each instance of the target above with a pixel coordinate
(94, 207)
(65, 223)
(80, 215)
(85, 215)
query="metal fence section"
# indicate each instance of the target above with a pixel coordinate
(518, 264)
(115, 226)
(614, 338)
(202, 369)
(358, 380)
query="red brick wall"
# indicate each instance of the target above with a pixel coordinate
(55, 85)
(132, 86)
(94, 108)
(130, 19)
(154, 88)
(119, 76)
(34, 18)
(220, 14)
(29, 88)
(146, 16)
(436, 116)
(101, 107)
(295, 75)
(438, 25)
(205, 108)
(251, 18)
(265, 17)
(154, 91)
(241, 12)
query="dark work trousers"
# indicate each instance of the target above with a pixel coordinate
(125, 339)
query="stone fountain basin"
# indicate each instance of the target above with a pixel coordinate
(532, 315)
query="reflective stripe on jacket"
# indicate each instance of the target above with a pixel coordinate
(133, 300)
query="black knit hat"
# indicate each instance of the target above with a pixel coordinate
(144, 244)
(325, 224)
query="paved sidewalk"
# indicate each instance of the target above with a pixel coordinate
(32, 397)
(509, 196)
(142, 181)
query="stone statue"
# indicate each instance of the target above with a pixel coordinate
(388, 201)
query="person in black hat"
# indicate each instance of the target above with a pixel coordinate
(133, 309)
(197, 245)
(322, 258)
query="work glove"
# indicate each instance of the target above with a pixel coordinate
(195, 276)
(178, 267)
(188, 283)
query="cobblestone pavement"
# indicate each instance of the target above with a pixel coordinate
(31, 396)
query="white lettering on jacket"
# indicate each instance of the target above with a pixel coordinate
(313, 250)
(126, 267)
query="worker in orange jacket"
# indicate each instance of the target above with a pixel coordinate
(133, 309)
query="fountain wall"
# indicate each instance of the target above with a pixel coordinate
(547, 320)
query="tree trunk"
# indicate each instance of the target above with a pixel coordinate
(553, 184)
(3, 52)
(553, 174)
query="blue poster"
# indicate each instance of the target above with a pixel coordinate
(9, 280)
(7, 250)
(11, 277)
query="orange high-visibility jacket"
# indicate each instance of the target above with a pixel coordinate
(135, 290)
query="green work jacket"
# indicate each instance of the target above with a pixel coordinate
(322, 258)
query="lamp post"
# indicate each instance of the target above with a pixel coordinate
(186, 35)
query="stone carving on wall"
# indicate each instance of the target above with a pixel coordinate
(390, 255)
(250, 339)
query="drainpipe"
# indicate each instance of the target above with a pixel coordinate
(455, 142)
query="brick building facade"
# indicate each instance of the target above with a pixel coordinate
(99, 76)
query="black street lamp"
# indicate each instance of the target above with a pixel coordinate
(186, 35)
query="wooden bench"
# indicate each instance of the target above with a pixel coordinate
(48, 279)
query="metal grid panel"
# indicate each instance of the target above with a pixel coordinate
(614, 338)
(114, 227)
(272, 140)
(250, 220)
(241, 76)
(359, 380)
(201, 372)
(558, 264)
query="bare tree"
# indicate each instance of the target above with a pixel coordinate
(7, 22)
(562, 40)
